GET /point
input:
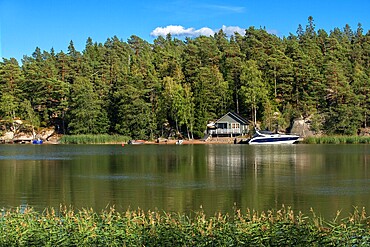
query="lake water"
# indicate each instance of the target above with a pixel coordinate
(185, 178)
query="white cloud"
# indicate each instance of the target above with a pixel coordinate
(232, 30)
(173, 30)
(205, 31)
(192, 32)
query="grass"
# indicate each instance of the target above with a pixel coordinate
(94, 139)
(337, 140)
(69, 227)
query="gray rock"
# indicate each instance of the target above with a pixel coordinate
(301, 127)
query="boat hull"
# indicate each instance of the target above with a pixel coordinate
(274, 140)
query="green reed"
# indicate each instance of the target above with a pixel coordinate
(69, 227)
(337, 140)
(93, 139)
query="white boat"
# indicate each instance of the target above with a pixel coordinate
(266, 137)
(179, 142)
(136, 142)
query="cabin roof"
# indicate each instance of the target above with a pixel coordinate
(234, 116)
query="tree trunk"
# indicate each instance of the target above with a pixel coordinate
(237, 103)
(255, 115)
(275, 81)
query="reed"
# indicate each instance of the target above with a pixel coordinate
(93, 139)
(69, 227)
(337, 140)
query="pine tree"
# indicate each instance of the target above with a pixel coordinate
(11, 78)
(86, 115)
(254, 89)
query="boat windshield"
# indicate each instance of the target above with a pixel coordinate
(255, 135)
(262, 133)
(267, 132)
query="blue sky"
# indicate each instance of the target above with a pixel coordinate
(26, 24)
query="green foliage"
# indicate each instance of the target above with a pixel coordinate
(132, 112)
(8, 106)
(335, 139)
(86, 113)
(253, 89)
(28, 114)
(70, 227)
(135, 88)
(11, 77)
(94, 139)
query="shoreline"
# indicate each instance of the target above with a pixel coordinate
(217, 140)
(214, 140)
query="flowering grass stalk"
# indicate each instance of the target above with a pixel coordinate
(69, 227)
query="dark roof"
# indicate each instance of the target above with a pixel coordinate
(236, 117)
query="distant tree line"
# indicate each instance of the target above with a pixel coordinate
(141, 90)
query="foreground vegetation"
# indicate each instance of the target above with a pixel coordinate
(283, 227)
(93, 139)
(336, 139)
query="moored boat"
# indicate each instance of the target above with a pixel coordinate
(179, 142)
(37, 141)
(136, 142)
(267, 137)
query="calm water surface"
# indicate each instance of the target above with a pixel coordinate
(187, 177)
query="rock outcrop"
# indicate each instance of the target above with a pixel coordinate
(301, 127)
(19, 132)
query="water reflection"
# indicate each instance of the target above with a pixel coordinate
(185, 178)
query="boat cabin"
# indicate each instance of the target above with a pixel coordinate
(231, 124)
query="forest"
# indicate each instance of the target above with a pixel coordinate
(143, 90)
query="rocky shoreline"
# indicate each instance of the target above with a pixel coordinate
(19, 133)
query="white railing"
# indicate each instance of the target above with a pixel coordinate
(225, 131)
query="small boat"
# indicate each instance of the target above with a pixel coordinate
(37, 141)
(267, 137)
(179, 142)
(136, 142)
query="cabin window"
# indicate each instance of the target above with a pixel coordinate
(235, 125)
(222, 125)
